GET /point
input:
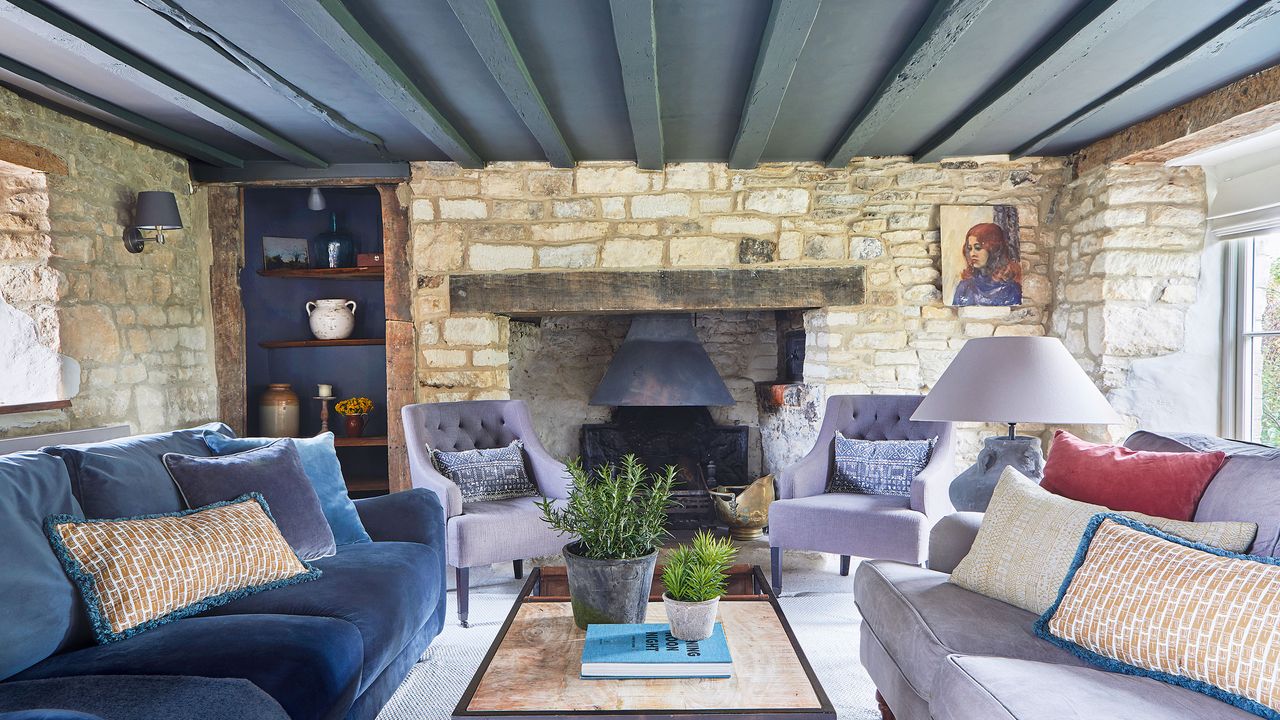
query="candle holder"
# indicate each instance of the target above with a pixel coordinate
(324, 410)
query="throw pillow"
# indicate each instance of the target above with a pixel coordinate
(878, 467)
(1164, 484)
(320, 463)
(138, 573)
(275, 471)
(1143, 602)
(1029, 537)
(484, 475)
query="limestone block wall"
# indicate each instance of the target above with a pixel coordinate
(878, 213)
(1126, 272)
(137, 324)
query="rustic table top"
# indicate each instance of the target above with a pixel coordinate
(533, 666)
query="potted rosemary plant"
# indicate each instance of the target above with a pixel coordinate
(619, 515)
(696, 575)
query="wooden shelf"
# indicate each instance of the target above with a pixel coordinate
(34, 407)
(360, 441)
(368, 272)
(274, 344)
(366, 484)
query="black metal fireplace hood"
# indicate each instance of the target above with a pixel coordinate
(661, 363)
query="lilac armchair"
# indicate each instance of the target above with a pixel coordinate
(874, 526)
(483, 533)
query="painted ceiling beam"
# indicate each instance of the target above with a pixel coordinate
(941, 31)
(636, 36)
(785, 34)
(337, 27)
(483, 23)
(161, 134)
(1051, 58)
(49, 24)
(215, 41)
(1203, 44)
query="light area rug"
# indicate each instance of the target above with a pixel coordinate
(818, 603)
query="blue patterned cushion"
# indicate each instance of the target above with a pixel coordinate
(878, 467)
(484, 475)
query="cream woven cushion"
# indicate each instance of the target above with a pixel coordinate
(1147, 603)
(1029, 537)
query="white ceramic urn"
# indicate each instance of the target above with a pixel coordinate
(332, 319)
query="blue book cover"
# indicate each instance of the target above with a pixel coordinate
(650, 651)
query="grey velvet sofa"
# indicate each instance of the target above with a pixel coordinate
(935, 650)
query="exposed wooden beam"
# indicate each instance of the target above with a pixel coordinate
(1051, 58)
(214, 40)
(45, 22)
(559, 293)
(483, 23)
(282, 173)
(337, 27)
(167, 137)
(32, 157)
(226, 231)
(636, 37)
(784, 37)
(940, 32)
(1206, 42)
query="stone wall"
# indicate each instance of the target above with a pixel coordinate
(1127, 266)
(137, 324)
(879, 213)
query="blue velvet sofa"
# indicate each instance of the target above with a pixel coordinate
(336, 647)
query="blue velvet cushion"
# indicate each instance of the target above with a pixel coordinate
(388, 590)
(320, 462)
(274, 471)
(877, 467)
(41, 608)
(126, 477)
(140, 697)
(310, 665)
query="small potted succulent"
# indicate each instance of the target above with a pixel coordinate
(619, 517)
(355, 411)
(696, 575)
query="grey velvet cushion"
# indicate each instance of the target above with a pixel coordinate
(877, 467)
(921, 619)
(274, 470)
(484, 475)
(994, 688)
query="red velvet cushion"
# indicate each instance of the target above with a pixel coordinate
(1164, 484)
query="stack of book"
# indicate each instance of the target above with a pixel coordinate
(648, 650)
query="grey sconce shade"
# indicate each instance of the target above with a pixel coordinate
(155, 211)
(1015, 380)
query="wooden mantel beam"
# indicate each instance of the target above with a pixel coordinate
(532, 294)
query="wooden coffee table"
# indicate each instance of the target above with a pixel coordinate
(531, 670)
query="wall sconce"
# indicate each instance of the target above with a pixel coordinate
(155, 211)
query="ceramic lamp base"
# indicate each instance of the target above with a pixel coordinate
(971, 490)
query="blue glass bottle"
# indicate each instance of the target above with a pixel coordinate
(333, 249)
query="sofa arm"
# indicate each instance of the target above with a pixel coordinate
(411, 516)
(951, 538)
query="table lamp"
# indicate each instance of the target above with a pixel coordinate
(1011, 380)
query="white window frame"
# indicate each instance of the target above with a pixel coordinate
(1238, 326)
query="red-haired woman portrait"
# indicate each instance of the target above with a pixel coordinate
(992, 274)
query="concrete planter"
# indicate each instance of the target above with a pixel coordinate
(608, 592)
(691, 620)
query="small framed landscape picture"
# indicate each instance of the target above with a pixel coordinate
(981, 261)
(284, 253)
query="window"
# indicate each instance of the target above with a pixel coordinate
(1258, 342)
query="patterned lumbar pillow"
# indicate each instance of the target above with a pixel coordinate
(1143, 602)
(1029, 537)
(483, 475)
(138, 573)
(878, 467)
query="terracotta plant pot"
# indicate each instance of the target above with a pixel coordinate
(355, 425)
(691, 620)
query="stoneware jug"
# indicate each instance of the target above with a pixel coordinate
(278, 411)
(332, 319)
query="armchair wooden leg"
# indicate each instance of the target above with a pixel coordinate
(775, 569)
(844, 565)
(885, 712)
(519, 567)
(462, 578)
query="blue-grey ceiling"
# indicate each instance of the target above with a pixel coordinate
(706, 54)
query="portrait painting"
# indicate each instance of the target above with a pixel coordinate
(284, 253)
(981, 263)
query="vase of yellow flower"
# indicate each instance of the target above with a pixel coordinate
(355, 411)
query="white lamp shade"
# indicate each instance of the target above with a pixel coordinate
(1016, 380)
